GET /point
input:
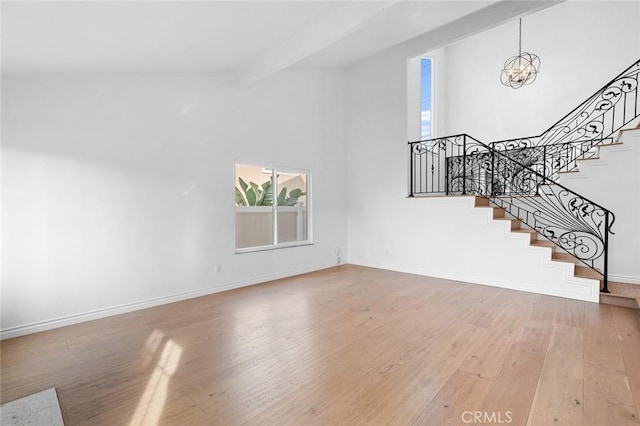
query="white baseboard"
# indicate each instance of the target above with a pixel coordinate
(627, 279)
(39, 326)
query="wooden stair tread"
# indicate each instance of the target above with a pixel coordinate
(563, 257)
(499, 213)
(624, 289)
(543, 243)
(514, 223)
(586, 272)
(620, 300)
(525, 231)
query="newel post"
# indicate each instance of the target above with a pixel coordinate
(411, 178)
(605, 285)
(464, 164)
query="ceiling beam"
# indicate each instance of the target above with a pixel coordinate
(475, 23)
(342, 22)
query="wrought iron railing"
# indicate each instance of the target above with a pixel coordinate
(462, 165)
(592, 123)
(551, 160)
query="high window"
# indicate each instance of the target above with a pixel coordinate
(272, 207)
(426, 98)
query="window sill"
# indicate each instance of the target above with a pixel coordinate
(273, 247)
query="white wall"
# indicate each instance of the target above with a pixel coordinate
(117, 189)
(582, 46)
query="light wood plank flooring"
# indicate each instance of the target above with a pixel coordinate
(345, 346)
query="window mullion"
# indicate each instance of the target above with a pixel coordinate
(274, 204)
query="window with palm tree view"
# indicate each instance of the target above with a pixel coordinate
(272, 207)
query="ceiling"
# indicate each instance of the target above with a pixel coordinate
(402, 22)
(146, 35)
(248, 38)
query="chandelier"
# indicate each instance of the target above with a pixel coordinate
(522, 69)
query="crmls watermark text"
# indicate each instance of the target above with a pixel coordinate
(486, 417)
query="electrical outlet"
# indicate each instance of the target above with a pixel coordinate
(218, 267)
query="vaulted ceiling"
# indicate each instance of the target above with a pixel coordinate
(250, 39)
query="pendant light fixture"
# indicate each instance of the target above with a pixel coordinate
(522, 69)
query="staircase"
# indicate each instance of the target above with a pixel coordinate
(593, 175)
(519, 178)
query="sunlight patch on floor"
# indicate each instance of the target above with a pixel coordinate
(153, 343)
(154, 398)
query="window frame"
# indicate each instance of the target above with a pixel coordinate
(275, 170)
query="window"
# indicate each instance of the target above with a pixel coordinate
(425, 74)
(426, 83)
(272, 207)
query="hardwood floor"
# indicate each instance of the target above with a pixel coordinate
(344, 346)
